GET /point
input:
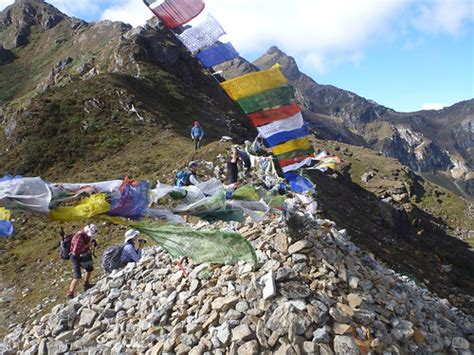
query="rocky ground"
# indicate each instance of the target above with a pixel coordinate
(313, 292)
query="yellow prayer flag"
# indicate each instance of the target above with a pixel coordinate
(87, 208)
(294, 144)
(254, 83)
(4, 214)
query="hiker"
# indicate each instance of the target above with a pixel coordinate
(245, 159)
(132, 250)
(189, 177)
(196, 135)
(81, 257)
(232, 167)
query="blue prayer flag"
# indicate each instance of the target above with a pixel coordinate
(217, 54)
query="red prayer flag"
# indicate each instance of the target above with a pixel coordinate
(174, 13)
(275, 114)
(295, 160)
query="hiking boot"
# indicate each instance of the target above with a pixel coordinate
(88, 286)
(70, 295)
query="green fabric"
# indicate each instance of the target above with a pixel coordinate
(213, 246)
(211, 203)
(246, 193)
(275, 202)
(226, 215)
(294, 153)
(270, 98)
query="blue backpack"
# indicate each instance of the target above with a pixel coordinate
(182, 178)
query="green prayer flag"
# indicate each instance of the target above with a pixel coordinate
(270, 98)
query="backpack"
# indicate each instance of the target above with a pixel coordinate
(111, 258)
(182, 178)
(65, 245)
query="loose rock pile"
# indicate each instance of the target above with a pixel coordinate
(316, 294)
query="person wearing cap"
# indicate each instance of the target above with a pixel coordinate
(130, 253)
(193, 177)
(196, 134)
(81, 257)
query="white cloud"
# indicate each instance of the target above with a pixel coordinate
(5, 3)
(433, 106)
(133, 12)
(444, 16)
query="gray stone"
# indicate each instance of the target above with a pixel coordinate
(460, 343)
(299, 246)
(87, 318)
(242, 306)
(56, 347)
(248, 348)
(285, 274)
(242, 333)
(269, 288)
(345, 345)
(294, 290)
(321, 335)
(223, 333)
(66, 336)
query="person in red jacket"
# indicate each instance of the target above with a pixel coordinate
(81, 257)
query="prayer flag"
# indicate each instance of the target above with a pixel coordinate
(295, 144)
(254, 83)
(270, 98)
(174, 13)
(274, 114)
(203, 35)
(217, 54)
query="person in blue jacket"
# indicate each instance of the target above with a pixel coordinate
(132, 251)
(196, 135)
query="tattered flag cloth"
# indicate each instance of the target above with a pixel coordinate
(87, 208)
(275, 114)
(295, 144)
(6, 228)
(203, 35)
(201, 246)
(217, 54)
(31, 194)
(132, 201)
(174, 13)
(294, 160)
(295, 153)
(270, 98)
(4, 214)
(298, 165)
(254, 83)
(299, 183)
(282, 137)
(62, 191)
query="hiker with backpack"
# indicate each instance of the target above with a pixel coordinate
(196, 134)
(81, 257)
(119, 255)
(189, 177)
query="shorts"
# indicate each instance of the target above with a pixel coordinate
(83, 261)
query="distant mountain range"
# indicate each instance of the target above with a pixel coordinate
(438, 144)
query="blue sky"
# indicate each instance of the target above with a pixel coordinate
(404, 54)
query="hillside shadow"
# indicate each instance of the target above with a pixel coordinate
(415, 245)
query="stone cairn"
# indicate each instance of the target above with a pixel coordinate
(315, 293)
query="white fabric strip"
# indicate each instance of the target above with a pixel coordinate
(203, 35)
(296, 166)
(287, 124)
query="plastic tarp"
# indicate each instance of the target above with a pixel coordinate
(31, 194)
(270, 98)
(201, 246)
(6, 228)
(283, 137)
(299, 183)
(164, 215)
(295, 144)
(208, 204)
(131, 202)
(61, 191)
(219, 53)
(227, 215)
(210, 187)
(174, 13)
(255, 209)
(254, 83)
(203, 35)
(89, 207)
(274, 114)
(246, 193)
(284, 125)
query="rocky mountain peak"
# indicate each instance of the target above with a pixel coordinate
(275, 55)
(17, 20)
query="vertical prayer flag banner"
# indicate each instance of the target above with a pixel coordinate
(174, 13)
(271, 115)
(295, 144)
(203, 35)
(270, 98)
(254, 83)
(217, 54)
